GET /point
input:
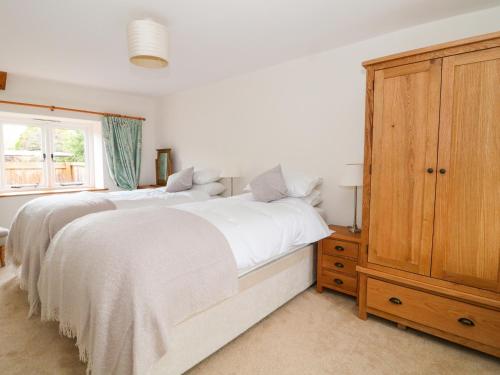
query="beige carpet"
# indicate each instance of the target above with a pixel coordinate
(312, 334)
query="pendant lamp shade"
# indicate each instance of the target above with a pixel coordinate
(148, 44)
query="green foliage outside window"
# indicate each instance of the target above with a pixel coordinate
(29, 140)
(68, 141)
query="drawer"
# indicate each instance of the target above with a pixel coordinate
(339, 264)
(339, 281)
(472, 322)
(336, 247)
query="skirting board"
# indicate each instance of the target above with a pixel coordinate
(261, 292)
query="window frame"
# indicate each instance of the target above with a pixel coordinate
(48, 126)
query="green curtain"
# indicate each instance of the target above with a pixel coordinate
(123, 143)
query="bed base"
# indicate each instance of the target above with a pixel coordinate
(261, 292)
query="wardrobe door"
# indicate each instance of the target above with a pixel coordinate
(467, 222)
(404, 155)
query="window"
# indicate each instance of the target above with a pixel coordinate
(45, 153)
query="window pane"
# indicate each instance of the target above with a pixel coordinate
(23, 155)
(69, 157)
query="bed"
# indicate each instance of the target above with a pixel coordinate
(39, 220)
(267, 261)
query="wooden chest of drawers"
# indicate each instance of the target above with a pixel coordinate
(337, 260)
(445, 317)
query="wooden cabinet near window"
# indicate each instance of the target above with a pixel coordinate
(430, 251)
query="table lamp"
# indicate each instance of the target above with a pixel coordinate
(353, 177)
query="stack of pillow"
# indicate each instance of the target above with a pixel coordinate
(205, 180)
(269, 186)
(276, 184)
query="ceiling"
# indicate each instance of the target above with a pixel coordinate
(84, 41)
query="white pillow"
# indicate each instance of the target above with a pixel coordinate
(205, 176)
(300, 185)
(314, 198)
(212, 188)
(180, 181)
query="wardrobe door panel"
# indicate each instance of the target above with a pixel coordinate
(467, 223)
(404, 156)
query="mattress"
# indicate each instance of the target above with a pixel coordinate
(275, 266)
(245, 271)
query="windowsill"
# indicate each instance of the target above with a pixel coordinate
(47, 191)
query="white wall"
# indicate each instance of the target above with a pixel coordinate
(27, 89)
(306, 113)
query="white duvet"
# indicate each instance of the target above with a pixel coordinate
(258, 232)
(156, 197)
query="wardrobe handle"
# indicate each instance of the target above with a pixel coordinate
(338, 281)
(442, 171)
(395, 301)
(339, 248)
(430, 170)
(339, 265)
(466, 322)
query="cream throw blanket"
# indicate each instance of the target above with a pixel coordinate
(36, 223)
(119, 281)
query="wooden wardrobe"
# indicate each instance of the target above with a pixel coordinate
(430, 254)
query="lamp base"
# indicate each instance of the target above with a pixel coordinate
(354, 229)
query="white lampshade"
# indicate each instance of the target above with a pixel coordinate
(147, 44)
(230, 172)
(352, 175)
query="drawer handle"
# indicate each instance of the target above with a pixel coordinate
(338, 281)
(339, 248)
(339, 265)
(395, 301)
(466, 322)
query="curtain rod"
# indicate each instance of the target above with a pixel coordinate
(54, 108)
